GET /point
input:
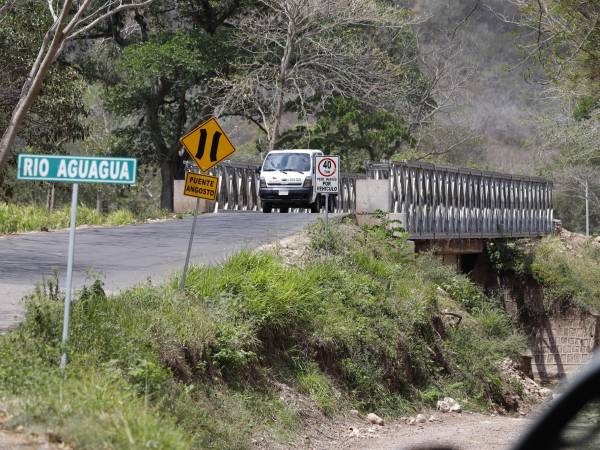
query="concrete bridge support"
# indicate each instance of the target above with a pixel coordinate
(461, 253)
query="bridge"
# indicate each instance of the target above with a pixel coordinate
(434, 202)
(441, 202)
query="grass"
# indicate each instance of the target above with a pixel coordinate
(20, 218)
(567, 272)
(361, 324)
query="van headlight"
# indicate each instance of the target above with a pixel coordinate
(263, 182)
(307, 182)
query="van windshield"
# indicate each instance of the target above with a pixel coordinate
(298, 162)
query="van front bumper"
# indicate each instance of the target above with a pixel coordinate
(295, 195)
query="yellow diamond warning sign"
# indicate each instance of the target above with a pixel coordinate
(207, 144)
(201, 186)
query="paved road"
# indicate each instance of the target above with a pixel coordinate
(128, 255)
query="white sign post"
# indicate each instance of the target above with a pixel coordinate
(327, 180)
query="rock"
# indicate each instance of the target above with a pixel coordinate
(420, 418)
(448, 404)
(432, 418)
(411, 421)
(443, 406)
(354, 412)
(545, 392)
(354, 432)
(456, 408)
(375, 419)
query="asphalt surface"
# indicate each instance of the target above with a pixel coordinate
(128, 255)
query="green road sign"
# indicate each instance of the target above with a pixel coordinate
(77, 169)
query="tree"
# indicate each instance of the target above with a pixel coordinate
(354, 131)
(567, 43)
(580, 182)
(21, 28)
(161, 84)
(575, 162)
(70, 19)
(297, 54)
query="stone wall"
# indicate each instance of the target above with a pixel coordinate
(562, 345)
(559, 344)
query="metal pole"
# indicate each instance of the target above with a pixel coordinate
(587, 209)
(326, 215)
(65, 334)
(189, 250)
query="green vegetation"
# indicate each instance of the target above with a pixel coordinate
(568, 270)
(363, 324)
(20, 218)
(568, 277)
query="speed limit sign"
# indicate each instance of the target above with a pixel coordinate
(327, 179)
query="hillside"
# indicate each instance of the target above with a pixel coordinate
(258, 349)
(500, 101)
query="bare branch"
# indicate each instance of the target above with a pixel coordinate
(122, 7)
(51, 9)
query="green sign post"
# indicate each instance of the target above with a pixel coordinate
(75, 169)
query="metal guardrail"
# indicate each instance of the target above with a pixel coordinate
(445, 202)
(239, 184)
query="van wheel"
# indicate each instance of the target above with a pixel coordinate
(316, 206)
(284, 209)
(267, 207)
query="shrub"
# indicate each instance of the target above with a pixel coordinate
(120, 217)
(19, 218)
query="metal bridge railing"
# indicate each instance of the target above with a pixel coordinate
(446, 202)
(438, 202)
(239, 184)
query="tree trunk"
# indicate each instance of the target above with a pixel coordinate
(168, 168)
(278, 112)
(281, 85)
(33, 84)
(99, 201)
(50, 198)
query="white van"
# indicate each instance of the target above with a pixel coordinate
(286, 180)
